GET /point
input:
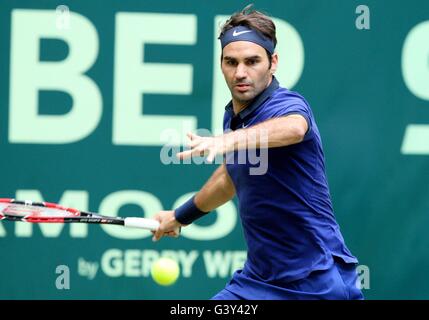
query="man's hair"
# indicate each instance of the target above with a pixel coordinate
(253, 19)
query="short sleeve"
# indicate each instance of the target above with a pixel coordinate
(303, 110)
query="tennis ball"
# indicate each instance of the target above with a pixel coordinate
(165, 271)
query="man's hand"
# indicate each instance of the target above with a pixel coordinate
(168, 225)
(206, 146)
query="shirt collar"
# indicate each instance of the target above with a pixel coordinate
(257, 101)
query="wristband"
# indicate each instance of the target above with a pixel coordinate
(188, 212)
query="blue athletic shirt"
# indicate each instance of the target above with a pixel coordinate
(286, 213)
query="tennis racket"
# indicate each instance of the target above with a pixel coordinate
(45, 212)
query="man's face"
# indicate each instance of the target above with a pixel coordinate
(245, 66)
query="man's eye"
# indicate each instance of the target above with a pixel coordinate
(230, 62)
(251, 62)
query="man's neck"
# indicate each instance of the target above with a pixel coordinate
(238, 106)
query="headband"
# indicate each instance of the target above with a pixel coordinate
(242, 33)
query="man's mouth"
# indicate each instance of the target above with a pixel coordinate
(242, 87)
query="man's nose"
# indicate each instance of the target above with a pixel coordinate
(241, 71)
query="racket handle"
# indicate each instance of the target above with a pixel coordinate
(143, 223)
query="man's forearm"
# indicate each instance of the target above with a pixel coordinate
(272, 133)
(218, 190)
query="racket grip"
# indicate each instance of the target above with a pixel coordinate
(142, 223)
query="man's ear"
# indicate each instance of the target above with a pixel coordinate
(274, 62)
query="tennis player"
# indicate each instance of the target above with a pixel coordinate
(295, 247)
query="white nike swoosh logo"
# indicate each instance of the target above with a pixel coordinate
(235, 33)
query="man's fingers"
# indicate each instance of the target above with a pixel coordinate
(174, 234)
(199, 151)
(158, 234)
(193, 143)
(211, 156)
(192, 136)
(184, 154)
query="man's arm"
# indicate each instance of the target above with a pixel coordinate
(216, 191)
(276, 132)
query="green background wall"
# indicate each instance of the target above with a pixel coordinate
(366, 87)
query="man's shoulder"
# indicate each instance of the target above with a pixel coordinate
(288, 97)
(284, 100)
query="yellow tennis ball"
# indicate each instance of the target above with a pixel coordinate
(165, 271)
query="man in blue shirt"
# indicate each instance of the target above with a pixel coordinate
(295, 247)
